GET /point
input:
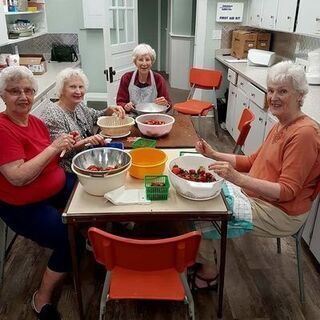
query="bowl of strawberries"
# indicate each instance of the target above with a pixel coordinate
(190, 176)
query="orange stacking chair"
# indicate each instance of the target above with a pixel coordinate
(201, 79)
(145, 269)
(244, 127)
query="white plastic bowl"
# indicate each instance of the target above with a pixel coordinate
(155, 131)
(190, 189)
(98, 186)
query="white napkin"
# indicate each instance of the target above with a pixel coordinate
(122, 196)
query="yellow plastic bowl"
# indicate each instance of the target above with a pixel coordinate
(146, 162)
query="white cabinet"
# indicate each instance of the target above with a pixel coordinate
(286, 15)
(241, 102)
(39, 107)
(93, 14)
(269, 13)
(271, 121)
(256, 133)
(3, 28)
(308, 21)
(273, 14)
(254, 16)
(230, 119)
(38, 18)
(315, 239)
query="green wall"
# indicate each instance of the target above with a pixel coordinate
(183, 17)
(63, 16)
(148, 23)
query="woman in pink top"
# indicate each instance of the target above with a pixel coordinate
(281, 176)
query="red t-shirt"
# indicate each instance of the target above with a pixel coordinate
(17, 143)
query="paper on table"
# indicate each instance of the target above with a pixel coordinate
(236, 60)
(122, 196)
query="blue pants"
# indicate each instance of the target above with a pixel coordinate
(42, 223)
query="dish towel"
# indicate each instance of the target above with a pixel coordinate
(241, 220)
(122, 196)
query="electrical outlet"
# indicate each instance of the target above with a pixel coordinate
(303, 63)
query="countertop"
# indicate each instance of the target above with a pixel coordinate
(258, 76)
(47, 80)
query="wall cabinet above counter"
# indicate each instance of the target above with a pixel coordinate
(285, 15)
(37, 25)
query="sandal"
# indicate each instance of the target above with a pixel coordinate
(211, 283)
(47, 312)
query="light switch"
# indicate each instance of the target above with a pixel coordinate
(216, 34)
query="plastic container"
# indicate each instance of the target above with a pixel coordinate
(147, 162)
(144, 143)
(115, 126)
(157, 187)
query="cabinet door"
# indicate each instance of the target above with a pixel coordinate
(256, 133)
(271, 120)
(3, 27)
(286, 15)
(315, 240)
(254, 18)
(93, 14)
(241, 102)
(309, 17)
(269, 12)
(230, 108)
(40, 106)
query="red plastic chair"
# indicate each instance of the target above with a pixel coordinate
(145, 269)
(201, 79)
(244, 127)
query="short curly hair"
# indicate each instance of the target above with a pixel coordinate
(16, 73)
(66, 74)
(290, 72)
(141, 50)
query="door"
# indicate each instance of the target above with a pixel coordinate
(241, 102)
(255, 13)
(230, 108)
(308, 21)
(120, 35)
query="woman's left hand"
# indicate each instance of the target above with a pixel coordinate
(118, 110)
(225, 170)
(161, 100)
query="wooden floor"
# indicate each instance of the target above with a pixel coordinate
(260, 284)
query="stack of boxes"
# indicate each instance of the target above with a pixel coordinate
(243, 40)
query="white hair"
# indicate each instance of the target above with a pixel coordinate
(141, 50)
(16, 73)
(289, 72)
(68, 73)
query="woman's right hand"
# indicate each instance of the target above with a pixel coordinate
(64, 142)
(204, 148)
(129, 107)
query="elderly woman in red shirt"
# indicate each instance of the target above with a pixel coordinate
(142, 85)
(279, 179)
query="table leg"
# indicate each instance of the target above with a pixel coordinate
(223, 250)
(75, 268)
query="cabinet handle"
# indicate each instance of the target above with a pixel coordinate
(317, 19)
(241, 83)
(260, 119)
(253, 95)
(288, 17)
(272, 17)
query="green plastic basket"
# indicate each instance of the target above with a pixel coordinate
(154, 191)
(144, 143)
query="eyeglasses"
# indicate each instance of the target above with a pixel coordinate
(17, 92)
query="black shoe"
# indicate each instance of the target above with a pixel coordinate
(47, 312)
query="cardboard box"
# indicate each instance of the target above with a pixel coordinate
(35, 62)
(263, 40)
(242, 41)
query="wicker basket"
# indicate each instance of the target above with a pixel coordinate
(115, 126)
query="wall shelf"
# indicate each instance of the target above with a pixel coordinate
(21, 12)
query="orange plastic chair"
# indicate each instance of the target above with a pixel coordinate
(145, 269)
(244, 127)
(201, 79)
